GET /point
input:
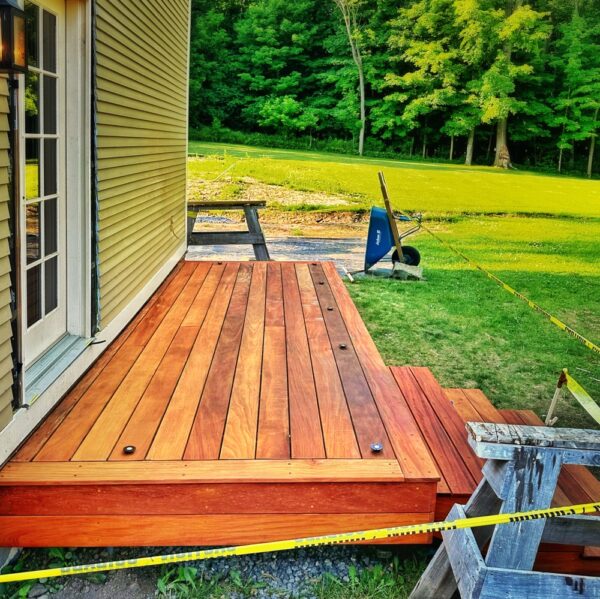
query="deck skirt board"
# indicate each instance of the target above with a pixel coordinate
(249, 396)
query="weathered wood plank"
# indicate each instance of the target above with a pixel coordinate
(535, 436)
(239, 439)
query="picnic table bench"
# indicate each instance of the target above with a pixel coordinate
(253, 236)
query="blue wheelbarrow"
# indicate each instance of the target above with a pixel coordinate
(384, 235)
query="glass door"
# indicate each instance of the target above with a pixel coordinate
(43, 207)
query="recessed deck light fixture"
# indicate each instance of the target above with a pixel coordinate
(13, 45)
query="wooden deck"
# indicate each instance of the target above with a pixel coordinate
(249, 396)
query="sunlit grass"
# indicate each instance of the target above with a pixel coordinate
(435, 189)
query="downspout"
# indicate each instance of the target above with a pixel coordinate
(95, 268)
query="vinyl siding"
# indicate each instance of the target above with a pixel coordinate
(5, 312)
(141, 102)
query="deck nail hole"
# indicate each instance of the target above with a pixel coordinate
(343, 346)
(330, 309)
(376, 447)
(129, 450)
(321, 282)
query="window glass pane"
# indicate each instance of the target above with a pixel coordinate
(19, 41)
(32, 169)
(51, 288)
(32, 102)
(50, 227)
(34, 295)
(33, 231)
(32, 29)
(49, 104)
(50, 167)
(49, 37)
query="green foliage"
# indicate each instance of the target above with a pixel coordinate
(434, 70)
(394, 581)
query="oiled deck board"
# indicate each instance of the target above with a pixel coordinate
(239, 439)
(174, 431)
(67, 437)
(363, 409)
(403, 432)
(100, 441)
(273, 436)
(305, 421)
(206, 435)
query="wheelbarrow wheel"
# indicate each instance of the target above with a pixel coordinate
(411, 256)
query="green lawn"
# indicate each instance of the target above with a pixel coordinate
(539, 234)
(436, 189)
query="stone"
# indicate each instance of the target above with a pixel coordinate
(37, 590)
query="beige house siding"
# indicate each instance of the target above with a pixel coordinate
(5, 326)
(141, 68)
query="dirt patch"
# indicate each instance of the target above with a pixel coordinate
(246, 188)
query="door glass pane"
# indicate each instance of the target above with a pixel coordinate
(49, 104)
(34, 295)
(32, 169)
(50, 167)
(50, 227)
(51, 288)
(32, 224)
(32, 29)
(32, 103)
(49, 43)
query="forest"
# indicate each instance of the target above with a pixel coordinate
(511, 83)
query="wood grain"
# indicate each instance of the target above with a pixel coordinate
(402, 430)
(273, 437)
(206, 436)
(306, 435)
(239, 439)
(115, 531)
(38, 473)
(173, 433)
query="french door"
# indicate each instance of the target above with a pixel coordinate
(43, 257)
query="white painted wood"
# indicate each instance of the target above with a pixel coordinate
(25, 420)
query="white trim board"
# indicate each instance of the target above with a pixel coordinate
(25, 420)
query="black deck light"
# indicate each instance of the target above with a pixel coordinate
(12, 38)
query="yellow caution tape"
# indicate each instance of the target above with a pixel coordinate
(555, 321)
(582, 396)
(334, 539)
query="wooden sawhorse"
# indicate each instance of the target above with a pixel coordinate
(520, 475)
(253, 236)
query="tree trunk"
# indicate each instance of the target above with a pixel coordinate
(424, 153)
(412, 146)
(470, 144)
(592, 147)
(489, 148)
(349, 16)
(560, 156)
(451, 147)
(502, 159)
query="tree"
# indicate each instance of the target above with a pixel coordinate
(577, 63)
(349, 10)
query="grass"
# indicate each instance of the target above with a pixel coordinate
(538, 233)
(435, 189)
